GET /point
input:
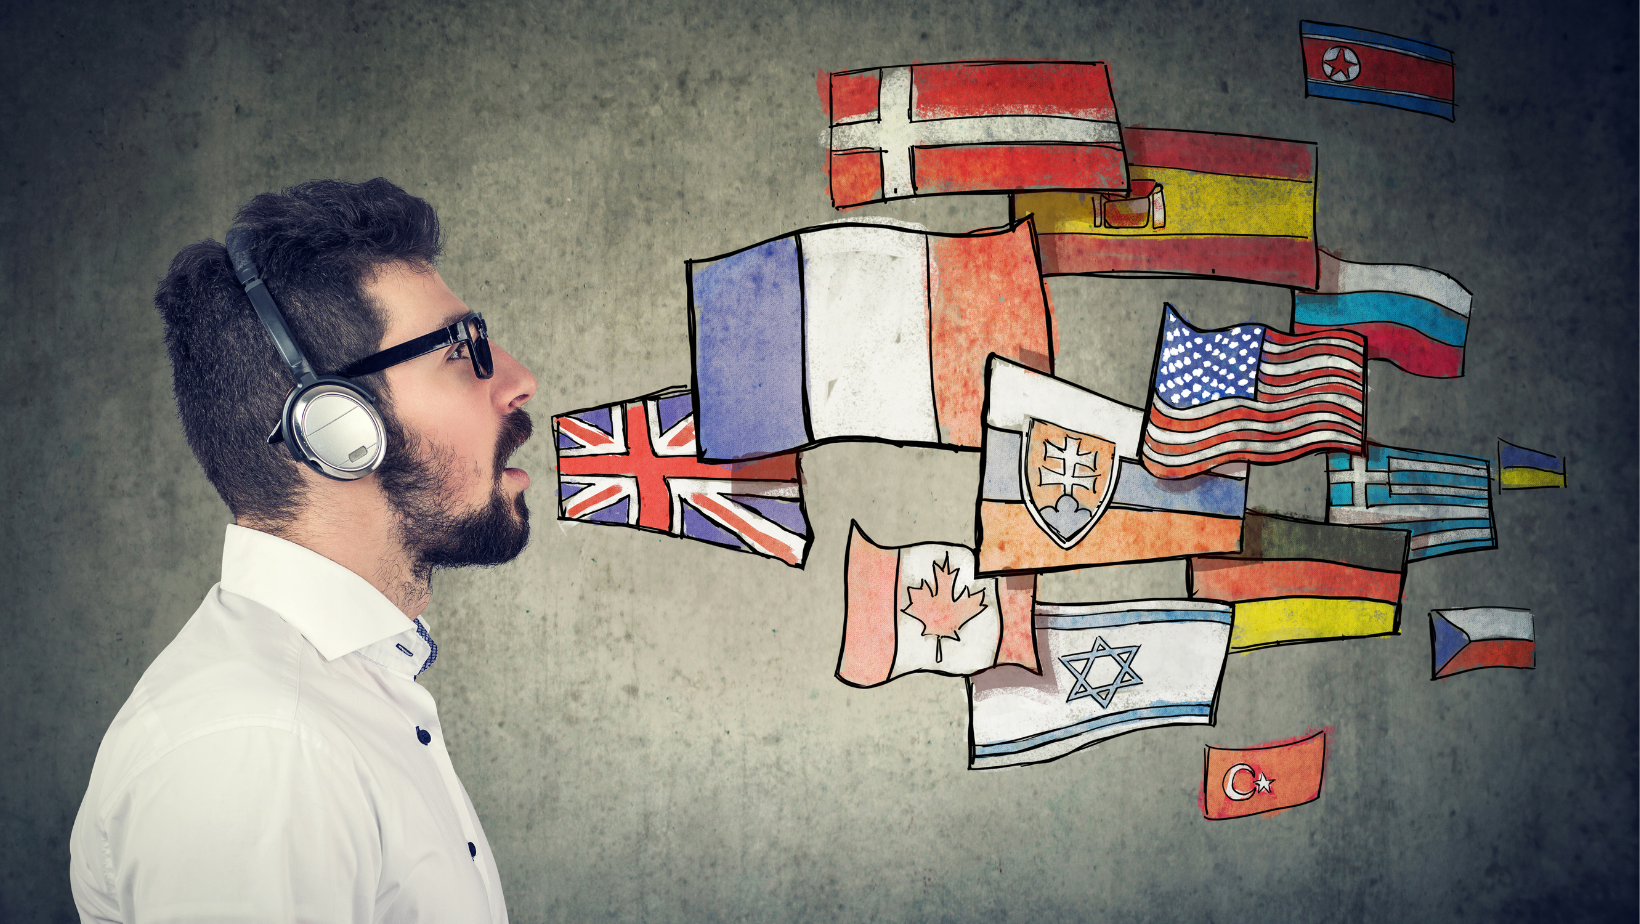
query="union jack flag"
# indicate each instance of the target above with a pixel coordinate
(633, 464)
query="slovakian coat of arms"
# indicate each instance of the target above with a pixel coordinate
(1069, 479)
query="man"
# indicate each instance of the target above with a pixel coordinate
(278, 761)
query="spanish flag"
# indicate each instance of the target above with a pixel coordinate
(1202, 204)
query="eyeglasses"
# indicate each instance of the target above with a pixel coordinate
(469, 330)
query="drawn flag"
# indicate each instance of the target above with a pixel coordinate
(1519, 467)
(1237, 782)
(1251, 394)
(859, 331)
(972, 126)
(633, 464)
(1443, 500)
(1061, 485)
(1413, 317)
(1299, 581)
(1350, 64)
(921, 608)
(1488, 636)
(1198, 204)
(1107, 669)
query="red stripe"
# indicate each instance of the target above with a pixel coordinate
(1409, 349)
(1249, 436)
(1299, 378)
(1206, 152)
(1491, 652)
(1382, 69)
(684, 436)
(1319, 392)
(575, 510)
(853, 96)
(1282, 338)
(1161, 470)
(978, 88)
(738, 523)
(1176, 425)
(1234, 580)
(586, 433)
(1303, 352)
(1281, 261)
(991, 167)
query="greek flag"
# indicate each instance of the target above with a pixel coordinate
(1443, 500)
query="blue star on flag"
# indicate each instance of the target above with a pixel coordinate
(1125, 675)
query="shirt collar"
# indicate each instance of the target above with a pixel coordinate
(334, 609)
(409, 653)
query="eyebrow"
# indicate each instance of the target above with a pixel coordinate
(453, 318)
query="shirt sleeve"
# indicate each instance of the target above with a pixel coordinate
(245, 824)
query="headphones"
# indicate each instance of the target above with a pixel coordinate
(329, 423)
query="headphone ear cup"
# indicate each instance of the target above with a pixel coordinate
(333, 426)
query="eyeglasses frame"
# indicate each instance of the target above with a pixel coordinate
(427, 343)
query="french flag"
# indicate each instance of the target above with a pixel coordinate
(1341, 62)
(1412, 316)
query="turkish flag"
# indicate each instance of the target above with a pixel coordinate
(1267, 778)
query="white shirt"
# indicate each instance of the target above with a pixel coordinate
(279, 762)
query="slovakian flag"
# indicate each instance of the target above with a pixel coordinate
(1238, 782)
(1443, 500)
(1107, 669)
(922, 608)
(1301, 581)
(969, 127)
(1204, 204)
(633, 464)
(1061, 485)
(1413, 317)
(1519, 467)
(860, 332)
(1488, 636)
(1251, 394)
(1341, 62)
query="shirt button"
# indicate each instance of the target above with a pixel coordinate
(472, 850)
(423, 736)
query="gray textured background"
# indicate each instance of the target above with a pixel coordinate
(649, 727)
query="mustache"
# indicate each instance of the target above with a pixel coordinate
(516, 430)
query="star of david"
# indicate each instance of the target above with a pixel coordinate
(1081, 688)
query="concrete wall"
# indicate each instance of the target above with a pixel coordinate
(650, 727)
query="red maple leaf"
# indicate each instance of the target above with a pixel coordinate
(942, 617)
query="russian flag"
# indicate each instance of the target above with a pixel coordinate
(1359, 66)
(1485, 636)
(1412, 316)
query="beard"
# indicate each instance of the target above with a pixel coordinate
(433, 529)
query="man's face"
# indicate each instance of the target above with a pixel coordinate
(450, 433)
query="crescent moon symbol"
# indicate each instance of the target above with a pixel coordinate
(1230, 783)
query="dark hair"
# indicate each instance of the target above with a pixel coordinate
(317, 245)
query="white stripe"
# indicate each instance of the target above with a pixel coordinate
(1396, 487)
(895, 134)
(1015, 393)
(778, 535)
(1397, 464)
(1359, 44)
(1307, 364)
(1484, 622)
(1418, 281)
(596, 483)
(1273, 347)
(865, 297)
(1307, 383)
(1403, 513)
(1126, 606)
(1451, 535)
(1224, 404)
(1182, 438)
(1248, 446)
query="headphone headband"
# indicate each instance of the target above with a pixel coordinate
(244, 266)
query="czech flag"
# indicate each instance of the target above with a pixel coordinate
(1487, 636)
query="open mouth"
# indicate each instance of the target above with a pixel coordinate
(516, 429)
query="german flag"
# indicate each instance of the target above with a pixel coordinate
(1300, 581)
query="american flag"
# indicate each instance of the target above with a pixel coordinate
(633, 464)
(1251, 394)
(1443, 500)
